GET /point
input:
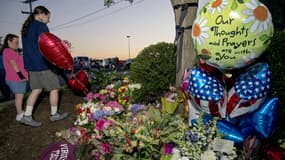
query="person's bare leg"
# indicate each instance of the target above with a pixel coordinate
(19, 105)
(55, 115)
(19, 102)
(53, 97)
(31, 101)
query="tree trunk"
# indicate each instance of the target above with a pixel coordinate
(185, 13)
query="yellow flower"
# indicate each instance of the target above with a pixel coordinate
(126, 80)
(103, 91)
(77, 106)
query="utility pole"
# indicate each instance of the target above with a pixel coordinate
(129, 46)
(30, 4)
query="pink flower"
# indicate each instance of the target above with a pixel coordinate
(100, 124)
(105, 148)
(114, 104)
(99, 136)
(90, 117)
(103, 124)
(89, 96)
(97, 156)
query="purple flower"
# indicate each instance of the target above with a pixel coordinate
(168, 148)
(194, 138)
(109, 113)
(98, 114)
(137, 107)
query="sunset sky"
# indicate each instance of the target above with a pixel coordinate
(97, 31)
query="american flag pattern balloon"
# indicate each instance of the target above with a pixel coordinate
(249, 91)
(245, 96)
(207, 91)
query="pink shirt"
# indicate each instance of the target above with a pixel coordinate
(11, 75)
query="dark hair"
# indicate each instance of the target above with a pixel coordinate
(38, 10)
(9, 37)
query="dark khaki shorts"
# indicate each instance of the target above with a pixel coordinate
(44, 80)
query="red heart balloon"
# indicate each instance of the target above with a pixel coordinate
(55, 51)
(76, 85)
(82, 76)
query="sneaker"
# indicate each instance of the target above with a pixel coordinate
(28, 120)
(58, 116)
(19, 117)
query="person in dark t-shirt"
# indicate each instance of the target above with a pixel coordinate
(40, 75)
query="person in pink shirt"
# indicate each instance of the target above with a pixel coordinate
(16, 76)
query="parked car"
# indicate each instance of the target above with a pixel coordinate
(82, 62)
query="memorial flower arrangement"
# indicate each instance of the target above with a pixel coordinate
(197, 142)
(108, 126)
(137, 134)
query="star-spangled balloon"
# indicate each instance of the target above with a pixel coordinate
(204, 87)
(254, 83)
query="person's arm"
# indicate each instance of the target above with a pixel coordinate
(14, 65)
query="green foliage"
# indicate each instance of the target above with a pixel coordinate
(100, 79)
(275, 56)
(154, 68)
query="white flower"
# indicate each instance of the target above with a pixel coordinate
(85, 121)
(117, 109)
(217, 5)
(199, 32)
(107, 108)
(208, 155)
(259, 14)
(88, 105)
(110, 86)
(138, 86)
(175, 154)
(134, 86)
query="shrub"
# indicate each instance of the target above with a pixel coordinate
(100, 79)
(154, 68)
(275, 56)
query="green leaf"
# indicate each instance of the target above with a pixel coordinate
(204, 56)
(266, 42)
(264, 37)
(234, 6)
(204, 10)
(240, 1)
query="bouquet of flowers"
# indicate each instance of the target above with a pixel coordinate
(106, 128)
(197, 143)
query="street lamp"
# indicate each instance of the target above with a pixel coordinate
(129, 46)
